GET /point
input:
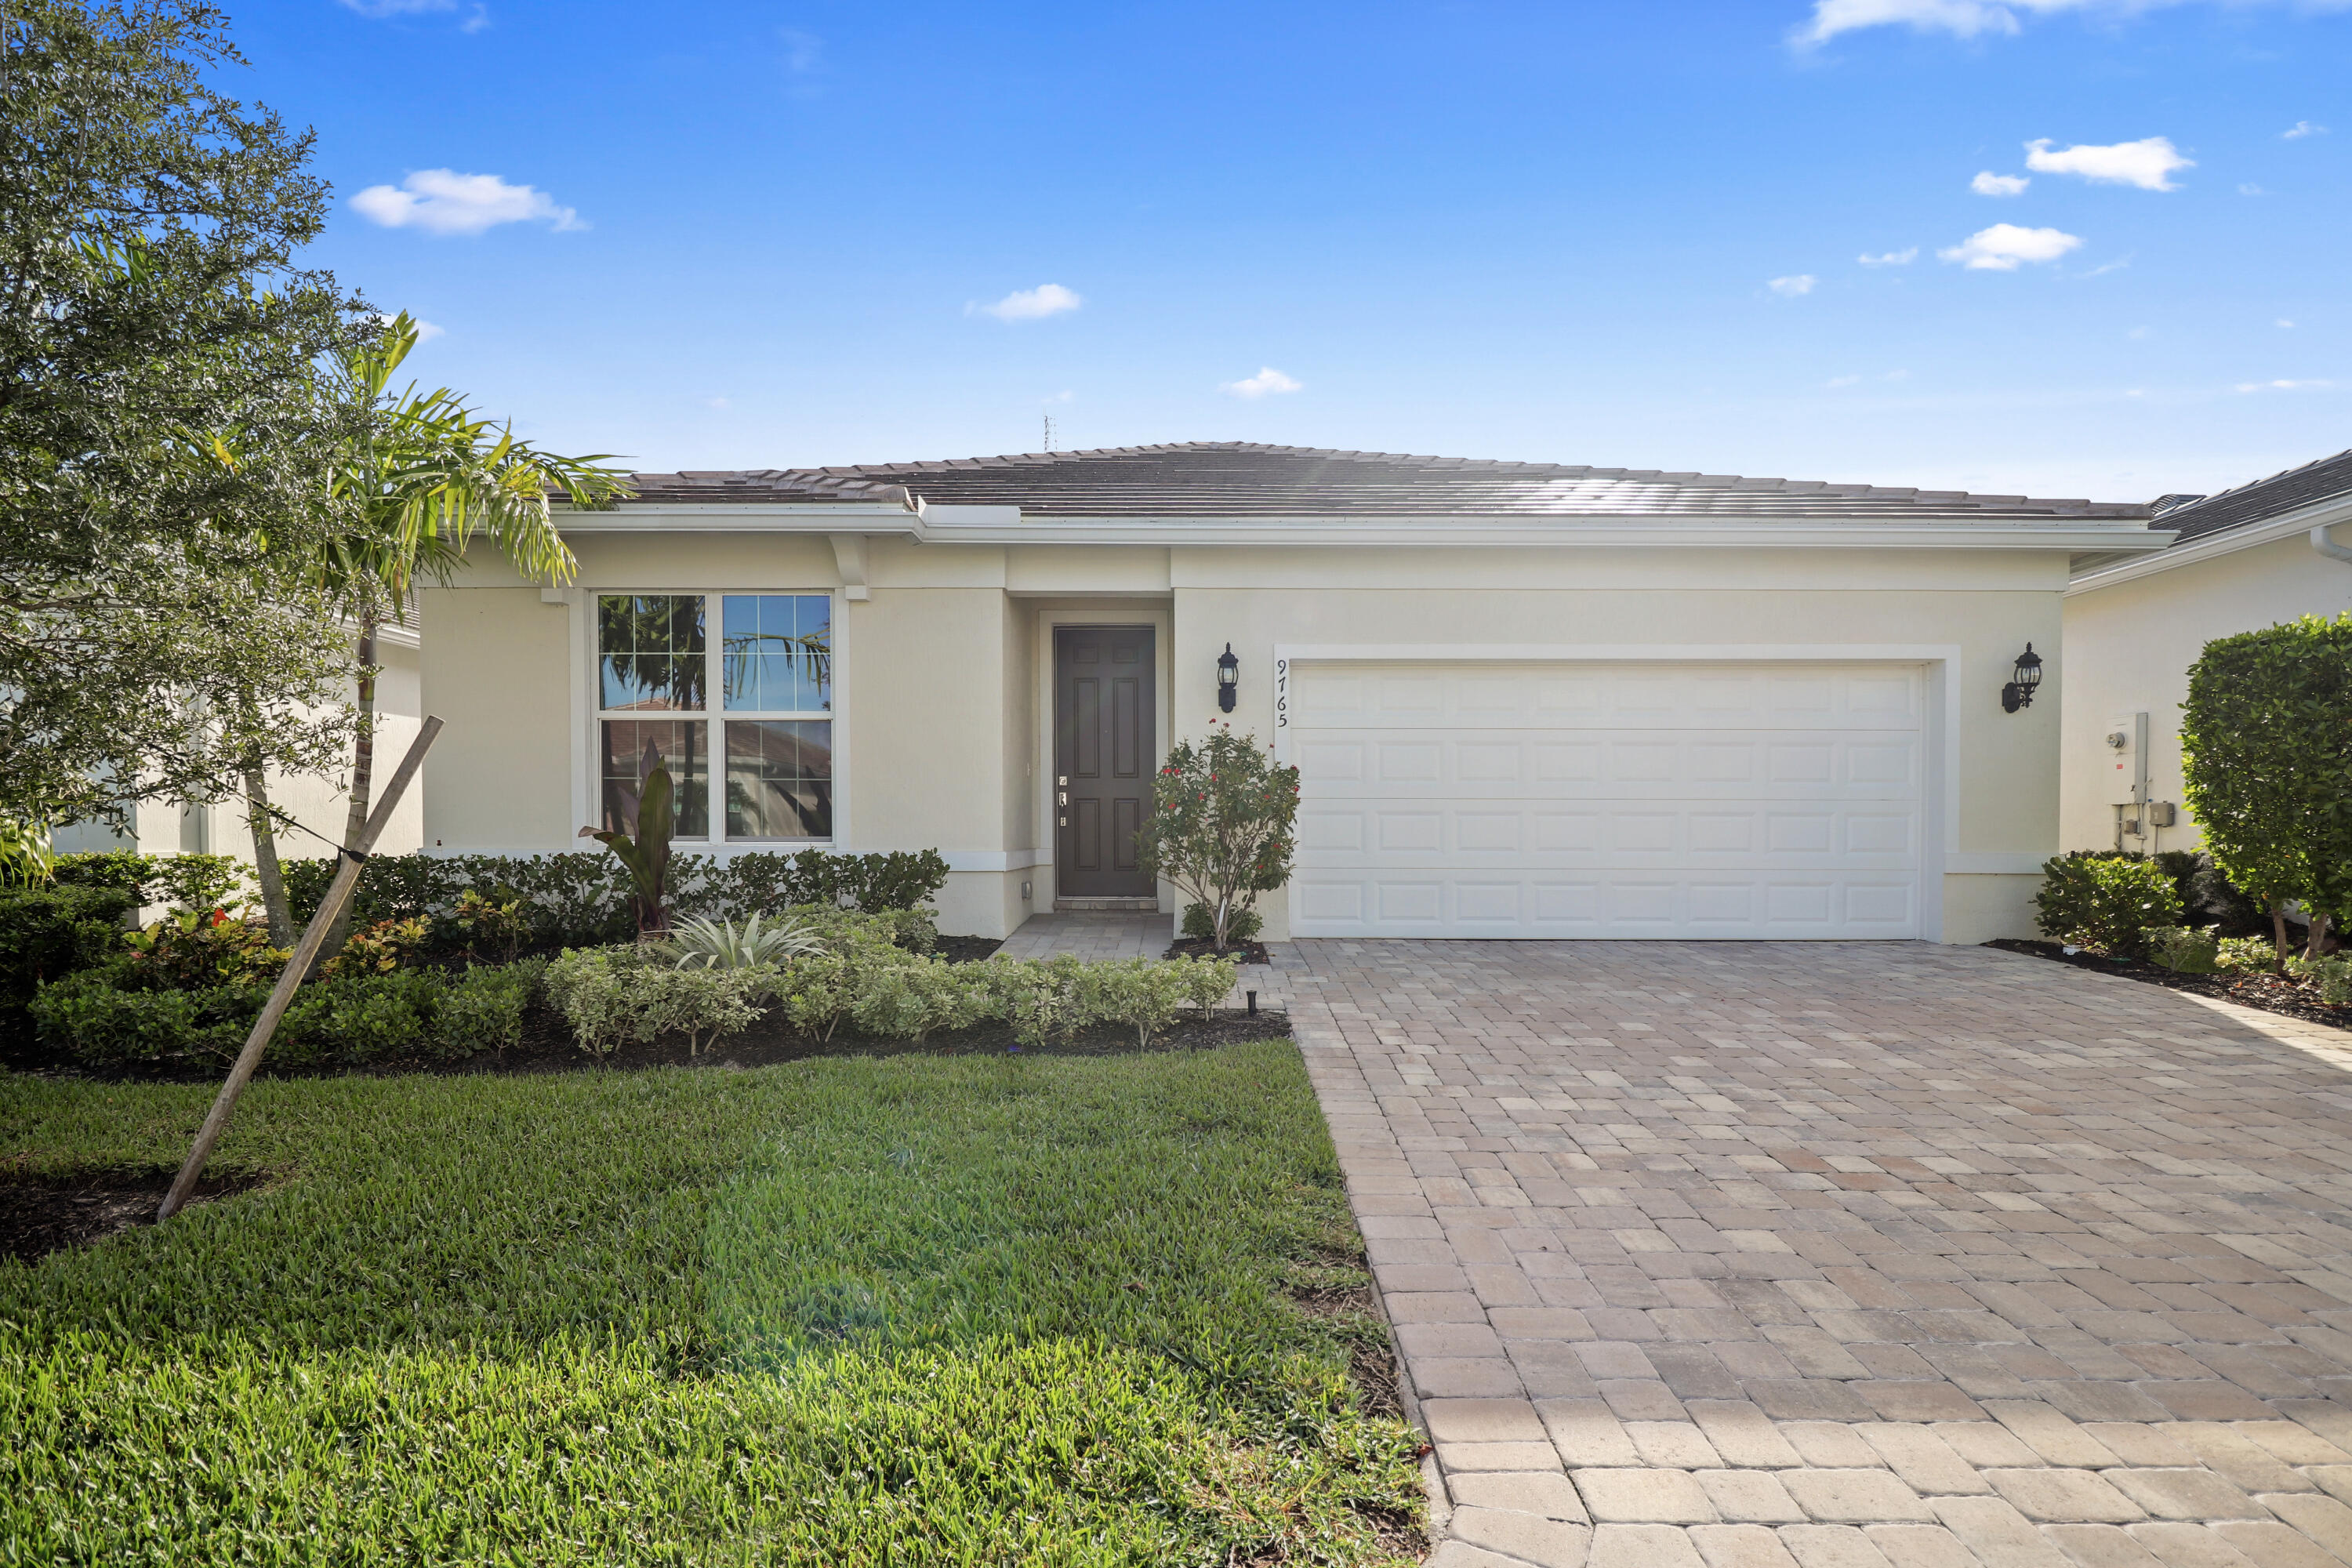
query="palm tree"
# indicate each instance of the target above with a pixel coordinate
(429, 475)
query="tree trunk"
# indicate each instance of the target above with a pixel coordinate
(2316, 940)
(363, 773)
(2278, 938)
(264, 857)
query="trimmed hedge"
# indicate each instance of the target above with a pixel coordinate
(582, 898)
(49, 932)
(103, 1018)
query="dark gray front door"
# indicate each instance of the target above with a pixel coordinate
(1102, 761)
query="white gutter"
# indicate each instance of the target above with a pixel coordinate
(1005, 525)
(2313, 521)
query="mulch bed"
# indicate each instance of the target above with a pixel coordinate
(2266, 992)
(41, 1214)
(967, 948)
(1200, 947)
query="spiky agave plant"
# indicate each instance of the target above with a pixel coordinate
(721, 944)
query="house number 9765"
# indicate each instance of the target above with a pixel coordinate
(1281, 693)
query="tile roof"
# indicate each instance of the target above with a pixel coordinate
(1239, 478)
(2197, 516)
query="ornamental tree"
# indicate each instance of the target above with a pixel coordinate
(1223, 821)
(2266, 743)
(163, 441)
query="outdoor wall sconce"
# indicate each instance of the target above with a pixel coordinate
(1229, 678)
(2019, 692)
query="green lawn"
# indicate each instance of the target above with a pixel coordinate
(905, 1311)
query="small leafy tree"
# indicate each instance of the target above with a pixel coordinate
(1223, 816)
(2266, 743)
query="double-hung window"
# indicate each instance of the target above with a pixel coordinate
(759, 667)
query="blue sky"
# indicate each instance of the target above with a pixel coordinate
(740, 234)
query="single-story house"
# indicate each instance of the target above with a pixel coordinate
(1527, 699)
(2247, 558)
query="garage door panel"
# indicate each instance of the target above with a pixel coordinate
(1655, 696)
(1437, 834)
(1492, 763)
(1609, 801)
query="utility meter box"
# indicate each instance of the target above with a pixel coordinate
(2124, 739)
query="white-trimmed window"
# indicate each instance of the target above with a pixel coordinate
(764, 679)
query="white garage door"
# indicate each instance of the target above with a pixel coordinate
(1608, 800)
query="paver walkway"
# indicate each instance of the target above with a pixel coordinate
(1089, 936)
(1847, 1256)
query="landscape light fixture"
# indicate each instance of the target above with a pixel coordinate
(2019, 692)
(1229, 678)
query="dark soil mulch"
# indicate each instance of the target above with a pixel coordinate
(967, 948)
(2267, 991)
(41, 1214)
(1200, 947)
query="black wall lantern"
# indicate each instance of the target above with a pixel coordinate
(1229, 678)
(2019, 692)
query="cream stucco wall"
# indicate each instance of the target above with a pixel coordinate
(944, 702)
(2129, 646)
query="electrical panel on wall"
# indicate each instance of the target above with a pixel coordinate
(2124, 739)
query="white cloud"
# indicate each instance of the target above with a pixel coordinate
(1969, 18)
(1988, 183)
(717, 403)
(2252, 191)
(2003, 245)
(442, 201)
(2284, 322)
(1029, 304)
(2283, 385)
(2147, 164)
(426, 330)
(1267, 381)
(1843, 380)
(2301, 129)
(1791, 287)
(2140, 334)
(1890, 258)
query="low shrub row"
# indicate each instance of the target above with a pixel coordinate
(582, 897)
(621, 994)
(115, 1016)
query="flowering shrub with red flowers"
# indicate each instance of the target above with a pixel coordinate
(1223, 823)
(192, 949)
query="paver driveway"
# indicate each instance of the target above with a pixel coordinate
(1847, 1255)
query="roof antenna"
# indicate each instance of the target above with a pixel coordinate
(1049, 432)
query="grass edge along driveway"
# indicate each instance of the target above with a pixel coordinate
(912, 1309)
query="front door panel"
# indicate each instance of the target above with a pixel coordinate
(1103, 737)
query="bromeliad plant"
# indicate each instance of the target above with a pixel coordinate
(1223, 815)
(645, 851)
(722, 944)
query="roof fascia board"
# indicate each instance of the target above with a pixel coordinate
(1435, 531)
(2286, 525)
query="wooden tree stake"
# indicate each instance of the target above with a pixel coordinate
(306, 953)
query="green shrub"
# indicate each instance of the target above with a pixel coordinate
(582, 898)
(2098, 901)
(1209, 980)
(2245, 954)
(196, 948)
(2331, 976)
(181, 881)
(1043, 998)
(2181, 950)
(489, 925)
(911, 1001)
(1143, 994)
(1240, 925)
(117, 1017)
(48, 932)
(619, 996)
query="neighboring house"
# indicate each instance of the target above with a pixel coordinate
(317, 803)
(1527, 699)
(2247, 558)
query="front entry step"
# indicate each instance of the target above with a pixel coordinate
(1110, 906)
